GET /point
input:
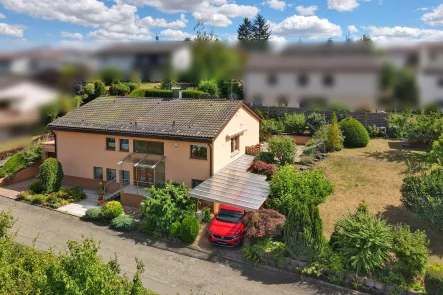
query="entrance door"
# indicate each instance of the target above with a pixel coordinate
(145, 176)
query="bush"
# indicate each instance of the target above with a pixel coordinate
(295, 123)
(322, 135)
(14, 164)
(264, 223)
(303, 231)
(38, 199)
(32, 153)
(275, 250)
(398, 125)
(100, 88)
(192, 93)
(436, 154)
(260, 167)
(283, 148)
(272, 126)
(123, 223)
(423, 195)
(334, 140)
(93, 214)
(209, 86)
(77, 194)
(263, 134)
(266, 157)
(289, 185)
(119, 89)
(411, 251)
(111, 74)
(50, 176)
(189, 229)
(174, 229)
(314, 122)
(434, 280)
(112, 210)
(25, 195)
(363, 240)
(206, 215)
(132, 86)
(375, 131)
(34, 187)
(354, 133)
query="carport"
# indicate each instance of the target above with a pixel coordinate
(234, 186)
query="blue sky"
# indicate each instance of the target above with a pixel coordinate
(26, 23)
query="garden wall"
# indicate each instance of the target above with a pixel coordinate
(131, 200)
(22, 175)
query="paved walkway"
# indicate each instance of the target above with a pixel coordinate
(170, 269)
(78, 209)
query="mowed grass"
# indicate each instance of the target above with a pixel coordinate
(149, 85)
(374, 174)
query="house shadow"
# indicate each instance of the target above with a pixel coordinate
(399, 214)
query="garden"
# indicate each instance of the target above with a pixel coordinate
(369, 217)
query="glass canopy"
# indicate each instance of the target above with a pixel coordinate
(142, 160)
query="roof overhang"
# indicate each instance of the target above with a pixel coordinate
(235, 133)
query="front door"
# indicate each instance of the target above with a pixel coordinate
(145, 176)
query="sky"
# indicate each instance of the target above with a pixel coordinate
(30, 23)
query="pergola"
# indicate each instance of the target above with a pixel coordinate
(141, 160)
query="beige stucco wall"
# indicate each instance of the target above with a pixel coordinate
(80, 152)
(222, 144)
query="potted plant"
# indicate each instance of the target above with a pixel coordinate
(101, 193)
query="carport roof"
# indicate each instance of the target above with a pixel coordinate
(234, 186)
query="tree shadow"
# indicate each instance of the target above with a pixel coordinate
(416, 160)
(399, 214)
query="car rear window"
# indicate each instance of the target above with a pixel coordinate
(229, 216)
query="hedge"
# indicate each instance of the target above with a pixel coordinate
(165, 93)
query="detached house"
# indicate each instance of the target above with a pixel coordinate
(131, 143)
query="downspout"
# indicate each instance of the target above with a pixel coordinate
(55, 144)
(211, 157)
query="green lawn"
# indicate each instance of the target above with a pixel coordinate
(149, 85)
(374, 174)
(15, 143)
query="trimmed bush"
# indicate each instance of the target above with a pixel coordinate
(295, 123)
(119, 89)
(264, 223)
(100, 88)
(50, 176)
(209, 86)
(93, 214)
(189, 229)
(354, 133)
(174, 229)
(112, 209)
(283, 148)
(434, 280)
(35, 188)
(263, 168)
(314, 122)
(266, 157)
(123, 223)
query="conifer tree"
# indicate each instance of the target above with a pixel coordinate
(334, 140)
(245, 31)
(262, 31)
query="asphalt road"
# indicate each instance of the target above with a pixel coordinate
(166, 271)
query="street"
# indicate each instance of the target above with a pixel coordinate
(166, 271)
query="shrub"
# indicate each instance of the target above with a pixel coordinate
(289, 185)
(375, 131)
(89, 89)
(77, 194)
(112, 209)
(263, 135)
(434, 280)
(189, 229)
(436, 154)
(206, 215)
(93, 214)
(100, 88)
(322, 135)
(260, 167)
(174, 229)
(14, 164)
(284, 148)
(272, 126)
(334, 140)
(314, 122)
(363, 240)
(411, 250)
(295, 123)
(38, 199)
(50, 176)
(328, 260)
(34, 187)
(423, 195)
(132, 86)
(209, 86)
(111, 74)
(264, 223)
(25, 195)
(119, 89)
(32, 153)
(266, 157)
(123, 223)
(275, 250)
(192, 93)
(354, 133)
(138, 93)
(303, 231)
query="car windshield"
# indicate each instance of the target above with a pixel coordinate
(229, 216)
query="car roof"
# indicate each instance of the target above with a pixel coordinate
(227, 207)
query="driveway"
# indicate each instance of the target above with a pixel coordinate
(170, 269)
(79, 208)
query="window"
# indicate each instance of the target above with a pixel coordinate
(328, 80)
(199, 151)
(196, 182)
(110, 174)
(110, 143)
(303, 80)
(125, 176)
(282, 101)
(124, 145)
(98, 173)
(140, 146)
(235, 144)
(149, 147)
(272, 79)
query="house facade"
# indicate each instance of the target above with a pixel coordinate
(134, 142)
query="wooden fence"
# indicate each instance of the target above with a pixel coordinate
(367, 119)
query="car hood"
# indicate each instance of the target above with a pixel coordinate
(224, 228)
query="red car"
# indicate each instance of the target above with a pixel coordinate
(226, 229)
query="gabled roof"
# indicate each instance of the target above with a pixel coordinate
(186, 118)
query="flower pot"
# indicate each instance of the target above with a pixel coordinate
(369, 282)
(302, 264)
(378, 285)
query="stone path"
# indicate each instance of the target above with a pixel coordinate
(78, 209)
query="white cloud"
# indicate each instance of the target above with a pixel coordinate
(216, 19)
(2, 16)
(11, 30)
(175, 35)
(163, 23)
(342, 5)
(71, 35)
(435, 17)
(306, 26)
(422, 9)
(309, 10)
(352, 29)
(104, 35)
(276, 4)
(404, 33)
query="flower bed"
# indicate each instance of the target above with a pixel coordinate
(55, 199)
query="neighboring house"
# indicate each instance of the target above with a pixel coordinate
(150, 60)
(134, 142)
(321, 75)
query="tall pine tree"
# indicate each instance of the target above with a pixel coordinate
(245, 31)
(303, 231)
(262, 31)
(334, 142)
